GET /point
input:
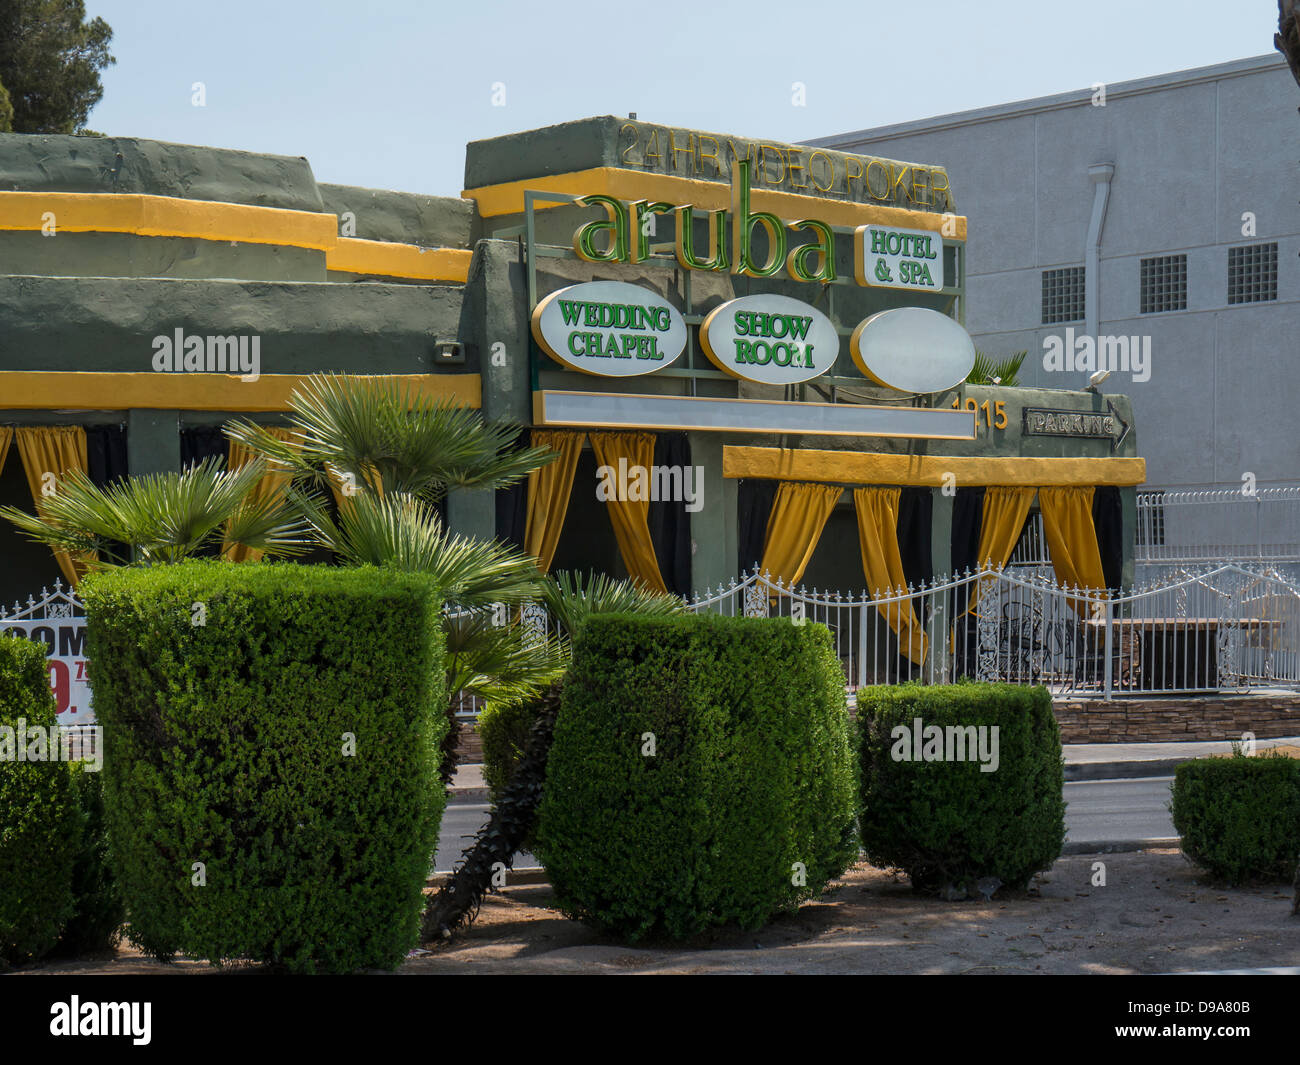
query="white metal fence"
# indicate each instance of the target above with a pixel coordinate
(1226, 628)
(1242, 522)
(58, 619)
(1180, 526)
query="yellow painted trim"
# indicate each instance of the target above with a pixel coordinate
(39, 390)
(352, 255)
(167, 216)
(508, 198)
(857, 467)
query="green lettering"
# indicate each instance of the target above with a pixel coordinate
(716, 224)
(742, 233)
(814, 261)
(615, 226)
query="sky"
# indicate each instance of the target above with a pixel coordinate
(386, 93)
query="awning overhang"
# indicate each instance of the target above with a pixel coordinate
(639, 411)
(858, 467)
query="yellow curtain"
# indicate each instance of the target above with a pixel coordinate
(1006, 508)
(6, 438)
(799, 514)
(53, 449)
(549, 489)
(271, 486)
(631, 517)
(877, 510)
(1072, 536)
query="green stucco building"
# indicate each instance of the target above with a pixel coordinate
(149, 292)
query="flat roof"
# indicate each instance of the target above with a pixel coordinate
(1160, 82)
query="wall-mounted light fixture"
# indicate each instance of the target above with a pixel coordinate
(448, 353)
(1097, 379)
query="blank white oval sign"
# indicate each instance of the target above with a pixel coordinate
(913, 349)
(609, 328)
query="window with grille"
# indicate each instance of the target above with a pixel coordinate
(1063, 295)
(1164, 284)
(1252, 273)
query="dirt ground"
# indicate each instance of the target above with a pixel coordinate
(1155, 914)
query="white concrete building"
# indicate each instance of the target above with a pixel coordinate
(1164, 211)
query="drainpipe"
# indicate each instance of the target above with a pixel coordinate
(1100, 175)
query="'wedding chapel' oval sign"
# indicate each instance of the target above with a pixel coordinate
(609, 328)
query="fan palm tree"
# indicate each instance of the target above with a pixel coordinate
(1004, 372)
(404, 532)
(388, 455)
(378, 435)
(572, 599)
(163, 517)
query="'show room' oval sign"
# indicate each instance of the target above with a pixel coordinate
(774, 340)
(913, 349)
(609, 328)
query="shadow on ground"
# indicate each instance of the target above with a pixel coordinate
(1155, 914)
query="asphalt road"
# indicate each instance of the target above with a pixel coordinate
(1118, 809)
(459, 824)
(1100, 810)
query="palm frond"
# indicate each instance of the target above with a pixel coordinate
(163, 517)
(405, 532)
(392, 439)
(572, 598)
(503, 663)
(1006, 371)
(273, 526)
(981, 371)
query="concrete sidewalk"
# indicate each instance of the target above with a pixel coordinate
(1083, 761)
(467, 785)
(1117, 761)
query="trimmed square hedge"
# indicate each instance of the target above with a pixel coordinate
(40, 823)
(701, 774)
(280, 725)
(1239, 817)
(949, 823)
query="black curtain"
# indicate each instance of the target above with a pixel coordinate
(512, 503)
(967, 523)
(670, 521)
(105, 454)
(754, 501)
(199, 442)
(1108, 517)
(105, 465)
(915, 517)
